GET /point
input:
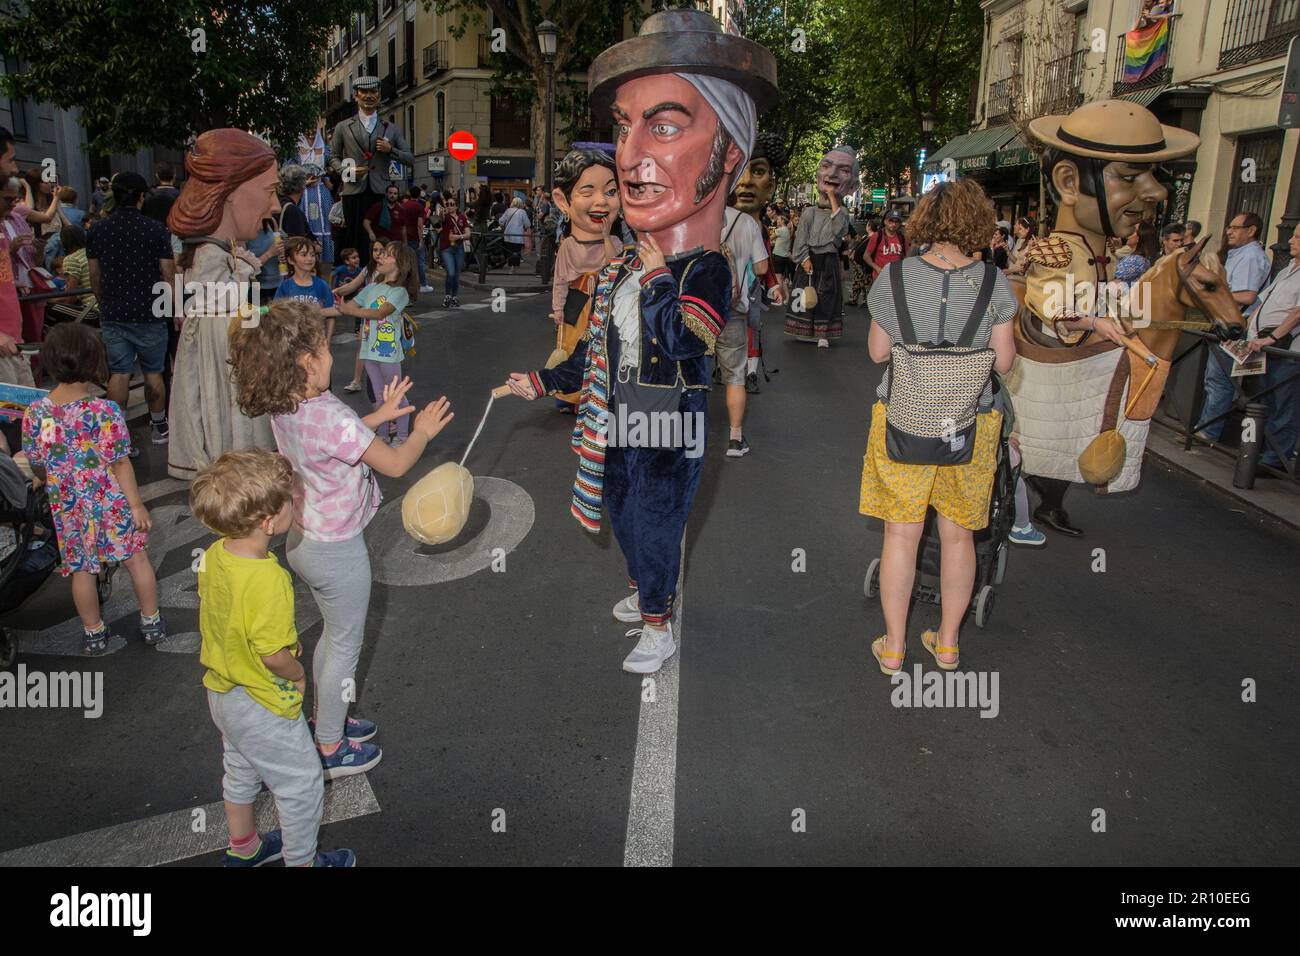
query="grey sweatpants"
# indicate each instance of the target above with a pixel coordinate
(338, 573)
(261, 747)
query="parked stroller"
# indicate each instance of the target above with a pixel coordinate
(991, 543)
(26, 560)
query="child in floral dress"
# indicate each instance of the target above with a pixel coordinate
(81, 446)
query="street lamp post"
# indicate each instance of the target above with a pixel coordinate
(547, 32)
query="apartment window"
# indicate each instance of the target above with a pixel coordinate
(1257, 197)
(17, 107)
(410, 127)
(440, 110)
(509, 124)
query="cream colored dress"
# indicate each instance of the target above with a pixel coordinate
(205, 421)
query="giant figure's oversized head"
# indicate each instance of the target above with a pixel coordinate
(758, 182)
(1100, 164)
(837, 171)
(586, 190)
(231, 186)
(684, 97)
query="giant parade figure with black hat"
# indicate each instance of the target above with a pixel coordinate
(683, 96)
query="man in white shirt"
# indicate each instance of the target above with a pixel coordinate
(1273, 325)
(1247, 267)
(742, 242)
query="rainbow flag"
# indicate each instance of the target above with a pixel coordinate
(1146, 50)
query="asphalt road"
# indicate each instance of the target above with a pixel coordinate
(511, 735)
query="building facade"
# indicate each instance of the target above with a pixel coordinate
(433, 83)
(1216, 70)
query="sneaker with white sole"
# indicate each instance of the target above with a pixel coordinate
(350, 758)
(651, 650)
(823, 344)
(352, 387)
(628, 610)
(1028, 535)
(737, 447)
(426, 288)
(161, 432)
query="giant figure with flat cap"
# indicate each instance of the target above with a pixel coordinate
(1099, 165)
(362, 150)
(683, 96)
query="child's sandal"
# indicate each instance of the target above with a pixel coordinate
(880, 654)
(930, 641)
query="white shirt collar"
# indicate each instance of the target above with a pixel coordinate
(368, 121)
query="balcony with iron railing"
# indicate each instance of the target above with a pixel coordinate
(1004, 95)
(1161, 76)
(1059, 91)
(405, 75)
(387, 87)
(435, 58)
(1257, 30)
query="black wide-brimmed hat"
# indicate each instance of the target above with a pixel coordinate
(683, 41)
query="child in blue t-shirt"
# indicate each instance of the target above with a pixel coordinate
(380, 306)
(349, 268)
(305, 284)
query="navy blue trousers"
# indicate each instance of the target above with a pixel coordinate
(648, 493)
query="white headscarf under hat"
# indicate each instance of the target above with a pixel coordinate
(736, 112)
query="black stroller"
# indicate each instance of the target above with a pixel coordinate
(991, 544)
(25, 559)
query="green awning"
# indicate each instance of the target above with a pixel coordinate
(1145, 97)
(971, 151)
(1015, 153)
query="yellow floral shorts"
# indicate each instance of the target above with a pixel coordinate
(896, 492)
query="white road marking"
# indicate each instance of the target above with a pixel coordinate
(476, 305)
(651, 812)
(169, 837)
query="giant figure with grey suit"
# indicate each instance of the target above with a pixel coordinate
(372, 144)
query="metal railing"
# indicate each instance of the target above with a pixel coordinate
(435, 58)
(1061, 82)
(1160, 77)
(388, 87)
(1003, 96)
(405, 74)
(1257, 30)
(1247, 401)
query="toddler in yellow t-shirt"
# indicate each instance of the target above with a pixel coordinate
(250, 651)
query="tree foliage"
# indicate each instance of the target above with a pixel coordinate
(898, 60)
(147, 72)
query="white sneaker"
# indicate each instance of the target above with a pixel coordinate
(628, 610)
(823, 344)
(651, 651)
(426, 288)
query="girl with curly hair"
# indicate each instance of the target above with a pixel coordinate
(282, 369)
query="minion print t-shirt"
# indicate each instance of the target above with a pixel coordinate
(381, 339)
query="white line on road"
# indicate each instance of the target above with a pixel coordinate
(651, 812)
(169, 837)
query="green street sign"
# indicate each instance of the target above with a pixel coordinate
(878, 195)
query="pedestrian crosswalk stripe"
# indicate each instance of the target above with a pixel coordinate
(169, 837)
(475, 305)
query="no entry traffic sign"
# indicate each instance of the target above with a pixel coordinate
(462, 145)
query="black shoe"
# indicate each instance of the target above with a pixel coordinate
(737, 448)
(751, 383)
(1057, 519)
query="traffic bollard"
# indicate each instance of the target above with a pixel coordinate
(1252, 441)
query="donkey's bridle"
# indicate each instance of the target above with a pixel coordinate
(1184, 283)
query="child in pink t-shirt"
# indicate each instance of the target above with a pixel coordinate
(282, 368)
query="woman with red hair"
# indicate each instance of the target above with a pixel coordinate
(230, 190)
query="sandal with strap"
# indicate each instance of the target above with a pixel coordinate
(880, 654)
(930, 641)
